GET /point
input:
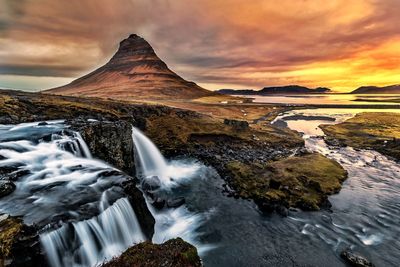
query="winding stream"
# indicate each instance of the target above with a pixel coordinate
(64, 186)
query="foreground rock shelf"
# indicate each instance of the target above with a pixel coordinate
(174, 252)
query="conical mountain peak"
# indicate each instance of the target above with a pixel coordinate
(134, 72)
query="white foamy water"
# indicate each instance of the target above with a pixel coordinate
(61, 185)
(170, 223)
(94, 240)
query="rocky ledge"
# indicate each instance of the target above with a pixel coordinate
(174, 252)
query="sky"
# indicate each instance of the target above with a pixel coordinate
(340, 44)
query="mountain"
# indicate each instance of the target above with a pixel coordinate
(391, 89)
(134, 72)
(284, 90)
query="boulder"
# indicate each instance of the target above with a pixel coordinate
(159, 203)
(355, 259)
(150, 184)
(174, 252)
(175, 202)
(6, 188)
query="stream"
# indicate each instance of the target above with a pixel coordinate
(64, 186)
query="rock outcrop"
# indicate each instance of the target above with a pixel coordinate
(174, 252)
(134, 72)
(19, 243)
(112, 142)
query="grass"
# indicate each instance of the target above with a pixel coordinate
(300, 181)
(373, 130)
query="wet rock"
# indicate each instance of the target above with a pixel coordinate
(43, 123)
(16, 175)
(6, 188)
(145, 218)
(281, 210)
(19, 243)
(176, 202)
(150, 184)
(108, 141)
(355, 259)
(109, 173)
(159, 203)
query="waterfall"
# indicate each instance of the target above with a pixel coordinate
(58, 183)
(90, 242)
(152, 162)
(170, 222)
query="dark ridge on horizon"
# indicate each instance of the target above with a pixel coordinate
(289, 89)
(390, 89)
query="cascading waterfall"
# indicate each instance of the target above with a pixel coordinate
(176, 222)
(59, 181)
(94, 240)
(152, 162)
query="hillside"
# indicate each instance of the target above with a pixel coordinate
(391, 89)
(135, 72)
(285, 90)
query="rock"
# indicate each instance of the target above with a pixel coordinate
(14, 176)
(281, 210)
(239, 125)
(174, 252)
(19, 244)
(159, 203)
(43, 123)
(109, 173)
(355, 259)
(145, 218)
(150, 184)
(108, 141)
(176, 202)
(6, 188)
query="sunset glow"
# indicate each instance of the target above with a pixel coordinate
(341, 44)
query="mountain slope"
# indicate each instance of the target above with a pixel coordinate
(134, 72)
(391, 89)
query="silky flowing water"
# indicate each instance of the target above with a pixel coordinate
(64, 184)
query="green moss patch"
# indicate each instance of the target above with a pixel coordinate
(301, 181)
(373, 130)
(174, 252)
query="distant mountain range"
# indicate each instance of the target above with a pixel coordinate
(285, 90)
(391, 89)
(134, 72)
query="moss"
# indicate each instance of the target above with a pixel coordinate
(9, 230)
(171, 131)
(300, 181)
(174, 252)
(373, 130)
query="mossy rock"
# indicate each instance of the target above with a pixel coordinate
(174, 252)
(301, 181)
(371, 130)
(9, 231)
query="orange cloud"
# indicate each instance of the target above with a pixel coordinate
(341, 44)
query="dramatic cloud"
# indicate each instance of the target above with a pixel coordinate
(340, 44)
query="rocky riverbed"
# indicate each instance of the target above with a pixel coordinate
(248, 156)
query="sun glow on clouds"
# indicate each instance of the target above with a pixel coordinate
(340, 44)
